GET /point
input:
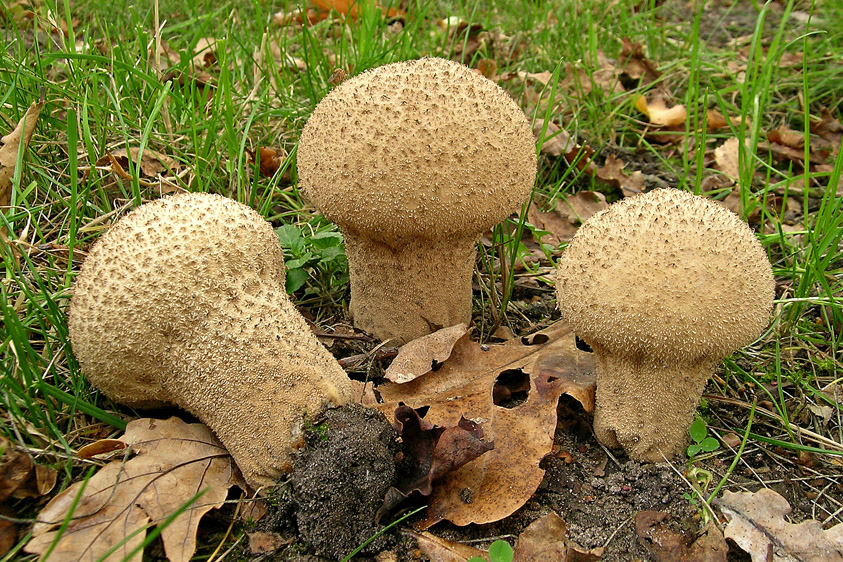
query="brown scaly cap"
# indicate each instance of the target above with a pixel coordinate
(662, 286)
(182, 302)
(411, 152)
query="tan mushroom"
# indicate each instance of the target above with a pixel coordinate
(182, 302)
(414, 160)
(662, 286)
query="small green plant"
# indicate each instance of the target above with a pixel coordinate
(703, 443)
(499, 551)
(317, 250)
(699, 478)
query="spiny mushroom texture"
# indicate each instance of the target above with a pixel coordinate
(662, 286)
(182, 302)
(414, 160)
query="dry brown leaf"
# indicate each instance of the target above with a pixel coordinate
(828, 128)
(20, 477)
(726, 158)
(658, 113)
(425, 353)
(542, 78)
(173, 461)
(310, 16)
(153, 170)
(261, 542)
(635, 65)
(12, 142)
(100, 447)
(8, 530)
(612, 173)
(569, 213)
(205, 52)
(270, 160)
(557, 141)
(542, 540)
(757, 525)
(549, 364)
(667, 545)
(443, 550)
(350, 8)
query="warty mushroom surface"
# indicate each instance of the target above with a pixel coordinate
(662, 286)
(182, 302)
(414, 160)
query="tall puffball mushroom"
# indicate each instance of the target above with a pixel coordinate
(182, 302)
(414, 160)
(662, 286)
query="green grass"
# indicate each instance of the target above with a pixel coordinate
(104, 92)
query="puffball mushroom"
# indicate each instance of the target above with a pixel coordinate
(182, 302)
(414, 160)
(662, 286)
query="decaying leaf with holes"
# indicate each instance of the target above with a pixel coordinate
(511, 390)
(173, 462)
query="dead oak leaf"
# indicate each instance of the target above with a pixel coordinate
(726, 158)
(668, 545)
(20, 477)
(423, 354)
(533, 372)
(153, 168)
(659, 114)
(828, 128)
(542, 541)
(12, 143)
(635, 65)
(612, 173)
(173, 462)
(757, 525)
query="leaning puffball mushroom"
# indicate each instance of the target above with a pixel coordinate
(182, 302)
(414, 160)
(662, 286)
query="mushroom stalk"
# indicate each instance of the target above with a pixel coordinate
(413, 288)
(625, 420)
(414, 161)
(182, 302)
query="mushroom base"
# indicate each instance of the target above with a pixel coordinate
(645, 406)
(410, 290)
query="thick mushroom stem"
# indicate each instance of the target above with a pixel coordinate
(409, 290)
(622, 419)
(182, 302)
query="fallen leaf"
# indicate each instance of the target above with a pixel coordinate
(12, 142)
(757, 525)
(494, 485)
(667, 545)
(543, 540)
(542, 78)
(828, 128)
(205, 52)
(20, 477)
(432, 452)
(8, 530)
(658, 113)
(726, 158)
(261, 543)
(154, 168)
(612, 173)
(100, 447)
(310, 16)
(425, 353)
(568, 214)
(173, 461)
(443, 550)
(635, 65)
(350, 8)
(557, 141)
(270, 160)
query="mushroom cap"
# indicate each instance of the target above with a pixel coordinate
(666, 274)
(423, 148)
(148, 284)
